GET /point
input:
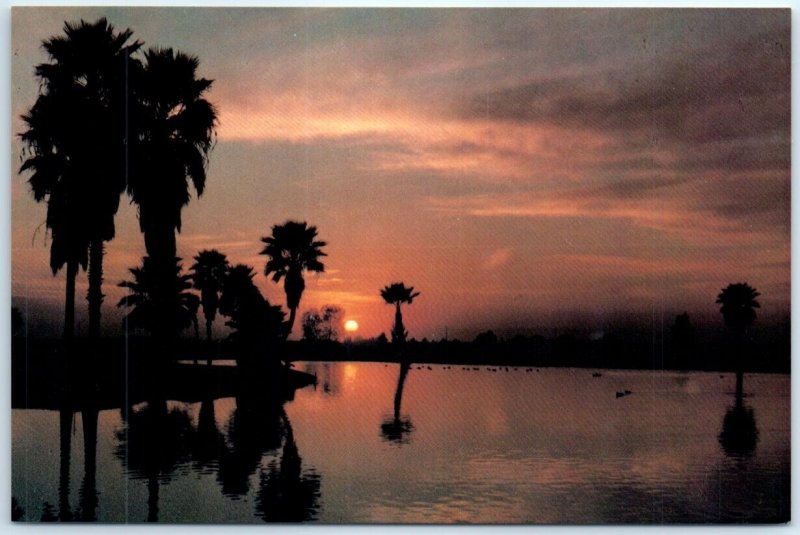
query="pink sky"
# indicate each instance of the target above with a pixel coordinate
(514, 166)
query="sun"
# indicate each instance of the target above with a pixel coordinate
(351, 326)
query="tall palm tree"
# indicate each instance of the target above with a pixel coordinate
(396, 294)
(292, 249)
(174, 127)
(164, 307)
(208, 274)
(75, 141)
(738, 304)
(55, 180)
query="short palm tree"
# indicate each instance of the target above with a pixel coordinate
(75, 141)
(163, 307)
(208, 274)
(396, 294)
(292, 249)
(257, 325)
(738, 304)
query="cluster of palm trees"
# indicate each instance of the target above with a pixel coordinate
(109, 120)
(166, 306)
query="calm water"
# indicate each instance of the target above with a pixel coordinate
(548, 446)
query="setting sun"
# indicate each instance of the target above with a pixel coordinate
(351, 326)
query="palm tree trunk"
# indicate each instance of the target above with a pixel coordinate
(159, 241)
(208, 337)
(399, 332)
(69, 300)
(95, 293)
(293, 286)
(739, 387)
(739, 363)
(290, 323)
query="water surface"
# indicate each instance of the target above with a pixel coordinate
(487, 445)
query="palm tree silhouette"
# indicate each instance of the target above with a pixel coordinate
(396, 294)
(75, 140)
(292, 248)
(738, 304)
(163, 307)
(257, 325)
(175, 130)
(208, 274)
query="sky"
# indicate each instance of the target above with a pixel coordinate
(521, 168)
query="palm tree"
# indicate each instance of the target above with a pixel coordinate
(55, 180)
(292, 248)
(160, 306)
(738, 304)
(257, 325)
(75, 141)
(396, 294)
(208, 274)
(174, 127)
(240, 299)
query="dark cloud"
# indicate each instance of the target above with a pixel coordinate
(728, 90)
(751, 200)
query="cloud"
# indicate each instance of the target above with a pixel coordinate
(733, 89)
(617, 154)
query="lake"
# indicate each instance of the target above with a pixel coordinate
(482, 445)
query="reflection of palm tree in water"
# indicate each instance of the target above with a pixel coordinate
(739, 433)
(65, 439)
(155, 441)
(253, 430)
(397, 429)
(208, 442)
(152, 445)
(286, 493)
(258, 426)
(88, 492)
